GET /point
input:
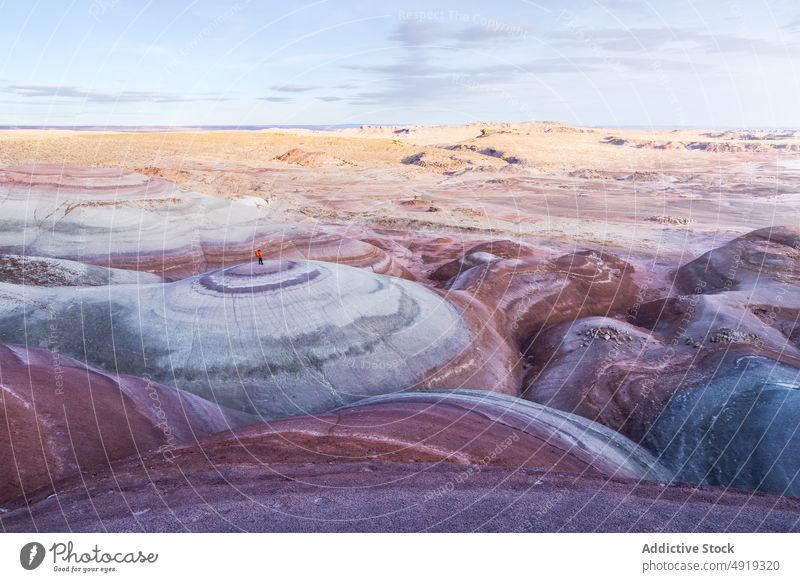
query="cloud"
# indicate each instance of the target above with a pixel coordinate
(410, 90)
(418, 76)
(623, 7)
(418, 33)
(330, 98)
(585, 64)
(409, 83)
(792, 25)
(415, 33)
(424, 73)
(91, 95)
(405, 84)
(691, 41)
(419, 65)
(276, 99)
(486, 33)
(293, 88)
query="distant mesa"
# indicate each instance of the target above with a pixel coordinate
(752, 135)
(479, 127)
(727, 147)
(555, 127)
(532, 127)
(657, 145)
(59, 417)
(727, 142)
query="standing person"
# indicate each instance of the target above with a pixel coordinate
(260, 256)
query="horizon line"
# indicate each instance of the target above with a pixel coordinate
(335, 126)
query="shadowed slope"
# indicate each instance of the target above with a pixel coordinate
(59, 417)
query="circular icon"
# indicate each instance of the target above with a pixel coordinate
(31, 555)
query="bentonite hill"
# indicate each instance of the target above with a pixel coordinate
(486, 327)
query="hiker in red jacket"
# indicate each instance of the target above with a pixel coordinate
(260, 256)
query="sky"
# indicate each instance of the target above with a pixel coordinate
(643, 63)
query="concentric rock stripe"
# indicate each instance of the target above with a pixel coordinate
(112, 218)
(468, 427)
(119, 219)
(529, 293)
(280, 339)
(335, 249)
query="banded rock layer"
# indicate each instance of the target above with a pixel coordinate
(286, 338)
(59, 417)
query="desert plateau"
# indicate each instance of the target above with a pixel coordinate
(510, 327)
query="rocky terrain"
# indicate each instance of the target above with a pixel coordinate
(488, 327)
(62, 417)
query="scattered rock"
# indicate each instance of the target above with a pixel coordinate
(471, 212)
(437, 162)
(587, 174)
(617, 141)
(644, 176)
(733, 336)
(417, 201)
(606, 333)
(672, 220)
